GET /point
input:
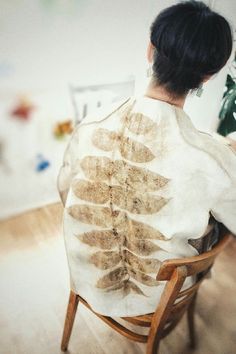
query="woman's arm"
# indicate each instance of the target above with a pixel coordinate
(68, 169)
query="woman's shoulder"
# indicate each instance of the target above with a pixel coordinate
(216, 146)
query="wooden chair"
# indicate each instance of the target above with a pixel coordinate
(172, 306)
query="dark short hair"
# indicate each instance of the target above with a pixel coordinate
(191, 41)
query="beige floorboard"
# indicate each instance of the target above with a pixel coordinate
(34, 289)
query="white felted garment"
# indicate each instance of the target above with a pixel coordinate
(138, 181)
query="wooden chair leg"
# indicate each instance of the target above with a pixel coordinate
(153, 342)
(191, 324)
(152, 348)
(69, 320)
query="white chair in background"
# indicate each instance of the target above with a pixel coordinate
(87, 98)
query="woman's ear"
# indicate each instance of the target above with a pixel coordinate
(150, 51)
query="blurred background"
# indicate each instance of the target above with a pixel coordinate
(59, 60)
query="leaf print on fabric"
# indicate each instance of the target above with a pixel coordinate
(105, 260)
(119, 274)
(136, 203)
(130, 200)
(119, 219)
(144, 231)
(138, 177)
(104, 139)
(142, 278)
(109, 239)
(108, 259)
(94, 215)
(145, 265)
(135, 151)
(130, 149)
(129, 287)
(102, 169)
(112, 278)
(97, 168)
(122, 248)
(138, 123)
(126, 286)
(96, 192)
(142, 247)
(104, 239)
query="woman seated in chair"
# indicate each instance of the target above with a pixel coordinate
(139, 182)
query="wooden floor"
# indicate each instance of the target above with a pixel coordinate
(34, 289)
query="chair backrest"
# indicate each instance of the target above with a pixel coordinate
(175, 301)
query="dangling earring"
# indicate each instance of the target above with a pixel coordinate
(149, 71)
(199, 90)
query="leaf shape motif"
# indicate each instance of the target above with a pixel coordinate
(130, 200)
(145, 265)
(119, 219)
(96, 192)
(137, 177)
(119, 274)
(133, 287)
(105, 260)
(108, 239)
(130, 149)
(124, 241)
(136, 203)
(135, 151)
(108, 259)
(112, 278)
(102, 168)
(104, 139)
(88, 214)
(97, 167)
(138, 123)
(142, 277)
(142, 247)
(144, 231)
(127, 286)
(104, 239)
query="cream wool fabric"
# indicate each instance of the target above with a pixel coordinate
(138, 181)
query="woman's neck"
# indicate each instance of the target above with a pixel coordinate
(160, 93)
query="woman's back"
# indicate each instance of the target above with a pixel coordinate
(142, 181)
